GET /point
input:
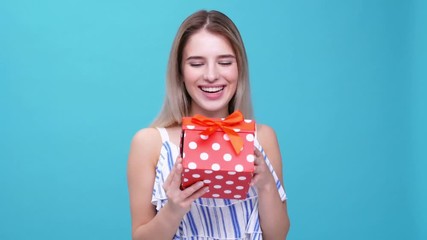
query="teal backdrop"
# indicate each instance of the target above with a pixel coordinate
(342, 82)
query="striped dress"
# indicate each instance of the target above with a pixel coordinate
(211, 218)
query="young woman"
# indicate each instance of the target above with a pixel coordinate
(208, 75)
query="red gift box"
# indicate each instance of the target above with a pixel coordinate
(219, 152)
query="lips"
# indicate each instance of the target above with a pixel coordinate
(212, 89)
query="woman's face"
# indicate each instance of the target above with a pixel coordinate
(210, 73)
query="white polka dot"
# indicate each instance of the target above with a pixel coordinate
(217, 186)
(208, 171)
(231, 173)
(192, 165)
(216, 146)
(227, 191)
(250, 158)
(215, 195)
(204, 156)
(196, 175)
(227, 157)
(185, 179)
(242, 178)
(237, 196)
(236, 130)
(229, 182)
(192, 145)
(207, 181)
(226, 138)
(204, 137)
(186, 170)
(239, 187)
(191, 126)
(216, 167)
(248, 120)
(250, 137)
(219, 177)
(239, 168)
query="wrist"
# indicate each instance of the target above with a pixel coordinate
(172, 213)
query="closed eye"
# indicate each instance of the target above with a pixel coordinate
(196, 64)
(225, 63)
(226, 60)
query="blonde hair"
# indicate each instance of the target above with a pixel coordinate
(177, 102)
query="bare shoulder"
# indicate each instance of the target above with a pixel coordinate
(267, 138)
(146, 142)
(146, 135)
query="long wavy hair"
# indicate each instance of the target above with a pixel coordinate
(177, 102)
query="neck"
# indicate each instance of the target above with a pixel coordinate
(211, 114)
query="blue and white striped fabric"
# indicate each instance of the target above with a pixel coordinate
(210, 218)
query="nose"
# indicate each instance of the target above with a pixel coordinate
(211, 73)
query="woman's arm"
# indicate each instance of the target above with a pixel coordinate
(143, 157)
(273, 212)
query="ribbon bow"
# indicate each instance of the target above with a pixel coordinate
(226, 125)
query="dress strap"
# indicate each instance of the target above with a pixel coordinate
(164, 134)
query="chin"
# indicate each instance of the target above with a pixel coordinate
(213, 109)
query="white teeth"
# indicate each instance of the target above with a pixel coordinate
(212, 89)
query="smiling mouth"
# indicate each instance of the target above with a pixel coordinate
(212, 89)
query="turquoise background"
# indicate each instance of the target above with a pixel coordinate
(342, 82)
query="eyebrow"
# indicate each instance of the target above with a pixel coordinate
(200, 57)
(227, 56)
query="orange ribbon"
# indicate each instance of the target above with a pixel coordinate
(226, 125)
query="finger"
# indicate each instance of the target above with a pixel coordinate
(260, 166)
(199, 193)
(176, 178)
(192, 189)
(169, 178)
(254, 180)
(256, 170)
(172, 174)
(258, 157)
(257, 152)
(257, 161)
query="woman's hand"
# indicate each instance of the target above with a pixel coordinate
(262, 178)
(180, 200)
